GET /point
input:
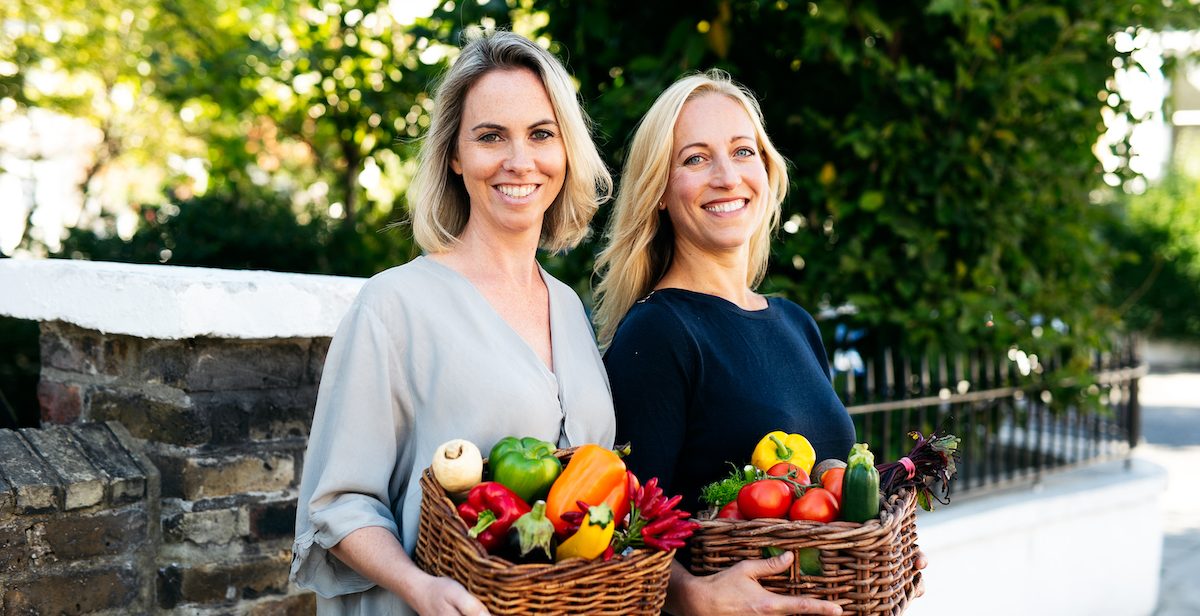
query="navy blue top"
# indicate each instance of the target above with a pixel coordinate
(697, 381)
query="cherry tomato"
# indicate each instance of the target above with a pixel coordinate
(817, 504)
(832, 480)
(730, 512)
(783, 469)
(765, 498)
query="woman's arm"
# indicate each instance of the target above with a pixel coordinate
(376, 555)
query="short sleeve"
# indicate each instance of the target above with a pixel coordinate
(652, 368)
(357, 459)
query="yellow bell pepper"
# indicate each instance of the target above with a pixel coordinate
(778, 447)
(593, 536)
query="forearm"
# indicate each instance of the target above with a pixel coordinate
(377, 555)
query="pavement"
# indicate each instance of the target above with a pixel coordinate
(1171, 438)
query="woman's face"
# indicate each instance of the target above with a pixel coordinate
(509, 152)
(717, 191)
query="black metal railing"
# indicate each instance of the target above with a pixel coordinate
(1016, 418)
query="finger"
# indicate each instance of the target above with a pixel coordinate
(757, 568)
(805, 605)
(468, 605)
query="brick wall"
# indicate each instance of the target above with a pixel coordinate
(222, 425)
(78, 521)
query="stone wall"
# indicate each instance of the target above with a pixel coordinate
(79, 521)
(224, 421)
(175, 406)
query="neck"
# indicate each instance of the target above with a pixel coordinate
(488, 257)
(721, 274)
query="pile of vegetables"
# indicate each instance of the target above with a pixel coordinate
(782, 482)
(591, 508)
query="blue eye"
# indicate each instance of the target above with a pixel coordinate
(542, 134)
(694, 159)
(745, 152)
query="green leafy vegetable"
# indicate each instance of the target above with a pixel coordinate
(720, 493)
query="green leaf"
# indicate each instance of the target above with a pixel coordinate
(871, 201)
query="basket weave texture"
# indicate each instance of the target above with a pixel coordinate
(867, 568)
(634, 584)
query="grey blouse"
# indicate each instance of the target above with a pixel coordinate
(421, 358)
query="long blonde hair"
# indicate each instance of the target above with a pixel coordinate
(437, 198)
(638, 242)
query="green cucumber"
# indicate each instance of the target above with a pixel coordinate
(860, 486)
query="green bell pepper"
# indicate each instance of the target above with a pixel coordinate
(526, 466)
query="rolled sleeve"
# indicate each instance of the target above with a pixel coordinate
(357, 462)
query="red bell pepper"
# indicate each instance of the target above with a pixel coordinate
(492, 509)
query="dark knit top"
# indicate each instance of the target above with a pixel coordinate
(697, 381)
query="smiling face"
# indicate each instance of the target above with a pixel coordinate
(510, 153)
(717, 190)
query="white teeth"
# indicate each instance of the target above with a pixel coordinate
(728, 206)
(517, 191)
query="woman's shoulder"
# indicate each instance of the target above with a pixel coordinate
(652, 319)
(793, 311)
(402, 284)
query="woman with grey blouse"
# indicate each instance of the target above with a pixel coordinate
(473, 340)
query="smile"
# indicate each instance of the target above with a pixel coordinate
(726, 206)
(517, 191)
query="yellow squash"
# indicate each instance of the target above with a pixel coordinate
(593, 536)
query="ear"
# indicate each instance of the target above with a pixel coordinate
(662, 204)
(455, 166)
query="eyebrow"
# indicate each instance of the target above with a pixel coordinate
(704, 145)
(495, 126)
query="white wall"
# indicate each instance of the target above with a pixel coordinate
(169, 302)
(1085, 542)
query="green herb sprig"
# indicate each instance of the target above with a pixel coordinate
(720, 493)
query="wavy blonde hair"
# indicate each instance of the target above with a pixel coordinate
(638, 242)
(438, 202)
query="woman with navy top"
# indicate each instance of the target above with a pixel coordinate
(701, 365)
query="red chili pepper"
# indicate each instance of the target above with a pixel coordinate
(659, 525)
(491, 508)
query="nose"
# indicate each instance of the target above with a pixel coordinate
(520, 158)
(724, 173)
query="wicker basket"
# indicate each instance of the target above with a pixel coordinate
(635, 584)
(866, 568)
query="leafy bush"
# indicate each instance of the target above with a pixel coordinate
(1156, 285)
(941, 151)
(223, 230)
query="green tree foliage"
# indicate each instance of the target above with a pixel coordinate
(942, 164)
(1157, 281)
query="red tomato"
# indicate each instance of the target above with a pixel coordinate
(765, 498)
(817, 504)
(783, 469)
(730, 512)
(832, 480)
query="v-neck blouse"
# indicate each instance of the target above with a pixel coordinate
(421, 358)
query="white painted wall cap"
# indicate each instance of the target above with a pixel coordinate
(172, 302)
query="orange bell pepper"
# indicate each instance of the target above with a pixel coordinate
(594, 475)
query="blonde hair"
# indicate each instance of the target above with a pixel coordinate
(438, 202)
(638, 243)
